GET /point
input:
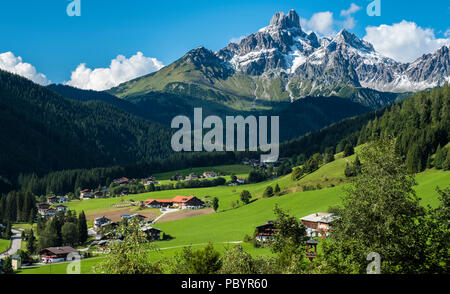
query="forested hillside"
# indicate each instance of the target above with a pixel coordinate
(45, 132)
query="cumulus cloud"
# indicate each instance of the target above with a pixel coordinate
(353, 9)
(121, 70)
(321, 22)
(350, 22)
(404, 41)
(9, 62)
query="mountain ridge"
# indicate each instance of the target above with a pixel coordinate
(281, 62)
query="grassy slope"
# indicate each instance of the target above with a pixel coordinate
(4, 245)
(232, 224)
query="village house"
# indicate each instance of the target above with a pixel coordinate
(122, 181)
(158, 203)
(99, 194)
(56, 254)
(240, 181)
(319, 222)
(148, 181)
(209, 174)
(101, 221)
(265, 232)
(42, 208)
(48, 212)
(52, 200)
(153, 234)
(181, 202)
(86, 194)
(191, 177)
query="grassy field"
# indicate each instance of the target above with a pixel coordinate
(4, 245)
(233, 224)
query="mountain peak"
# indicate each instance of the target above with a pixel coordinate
(290, 20)
(345, 37)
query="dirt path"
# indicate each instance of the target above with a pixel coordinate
(182, 214)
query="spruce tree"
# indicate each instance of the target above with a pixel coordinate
(82, 228)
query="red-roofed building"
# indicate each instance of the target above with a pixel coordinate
(182, 202)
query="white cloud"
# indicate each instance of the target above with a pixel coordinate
(353, 9)
(350, 22)
(237, 40)
(121, 70)
(404, 41)
(9, 62)
(321, 22)
(447, 33)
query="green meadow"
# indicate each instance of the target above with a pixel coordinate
(4, 245)
(232, 224)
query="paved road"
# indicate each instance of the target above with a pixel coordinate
(16, 243)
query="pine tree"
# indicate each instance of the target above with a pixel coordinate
(82, 228)
(277, 189)
(268, 192)
(7, 266)
(31, 243)
(215, 204)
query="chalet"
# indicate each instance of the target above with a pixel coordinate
(60, 208)
(158, 203)
(148, 181)
(182, 202)
(56, 254)
(101, 222)
(318, 222)
(152, 233)
(42, 208)
(52, 200)
(99, 194)
(209, 174)
(191, 177)
(240, 181)
(190, 202)
(265, 232)
(122, 181)
(48, 212)
(86, 194)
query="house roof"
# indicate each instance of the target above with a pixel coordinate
(177, 199)
(320, 217)
(182, 199)
(60, 250)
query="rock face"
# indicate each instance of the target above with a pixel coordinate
(313, 64)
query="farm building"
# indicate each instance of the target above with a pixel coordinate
(101, 221)
(182, 202)
(152, 233)
(209, 174)
(86, 194)
(265, 232)
(318, 222)
(52, 200)
(56, 254)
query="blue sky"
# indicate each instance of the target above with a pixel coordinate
(55, 44)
